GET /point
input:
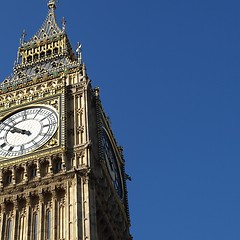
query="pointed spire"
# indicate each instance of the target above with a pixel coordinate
(50, 26)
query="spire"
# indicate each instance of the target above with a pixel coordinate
(48, 52)
(49, 27)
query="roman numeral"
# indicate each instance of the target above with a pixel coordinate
(11, 148)
(36, 113)
(3, 145)
(47, 125)
(46, 116)
(24, 115)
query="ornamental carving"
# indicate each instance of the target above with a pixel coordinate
(80, 154)
(31, 93)
(54, 103)
(53, 142)
(80, 111)
(80, 129)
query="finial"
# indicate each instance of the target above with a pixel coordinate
(79, 52)
(96, 91)
(63, 24)
(22, 39)
(52, 4)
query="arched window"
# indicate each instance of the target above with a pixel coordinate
(35, 227)
(49, 53)
(35, 57)
(9, 179)
(42, 54)
(48, 225)
(29, 59)
(55, 51)
(9, 230)
(33, 171)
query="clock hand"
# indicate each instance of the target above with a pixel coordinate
(16, 130)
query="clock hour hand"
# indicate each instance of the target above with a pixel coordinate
(17, 130)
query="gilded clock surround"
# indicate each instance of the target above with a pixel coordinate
(63, 189)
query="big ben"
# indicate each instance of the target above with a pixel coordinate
(62, 172)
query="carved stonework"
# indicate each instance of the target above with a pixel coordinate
(80, 129)
(80, 111)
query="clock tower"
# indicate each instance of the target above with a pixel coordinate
(62, 174)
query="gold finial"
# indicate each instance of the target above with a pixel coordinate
(52, 4)
(79, 52)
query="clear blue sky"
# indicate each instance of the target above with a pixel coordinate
(169, 74)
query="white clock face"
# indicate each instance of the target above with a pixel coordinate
(111, 163)
(26, 130)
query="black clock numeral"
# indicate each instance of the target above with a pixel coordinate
(11, 148)
(3, 153)
(24, 115)
(3, 145)
(50, 124)
(35, 144)
(47, 116)
(13, 122)
(45, 134)
(37, 113)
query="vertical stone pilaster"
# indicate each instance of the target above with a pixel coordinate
(85, 116)
(14, 175)
(3, 217)
(1, 179)
(68, 220)
(28, 218)
(54, 215)
(41, 216)
(77, 218)
(50, 166)
(38, 169)
(75, 101)
(15, 215)
(85, 208)
(25, 174)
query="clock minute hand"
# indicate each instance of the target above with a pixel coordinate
(16, 130)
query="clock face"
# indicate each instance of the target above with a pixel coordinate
(26, 130)
(111, 163)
